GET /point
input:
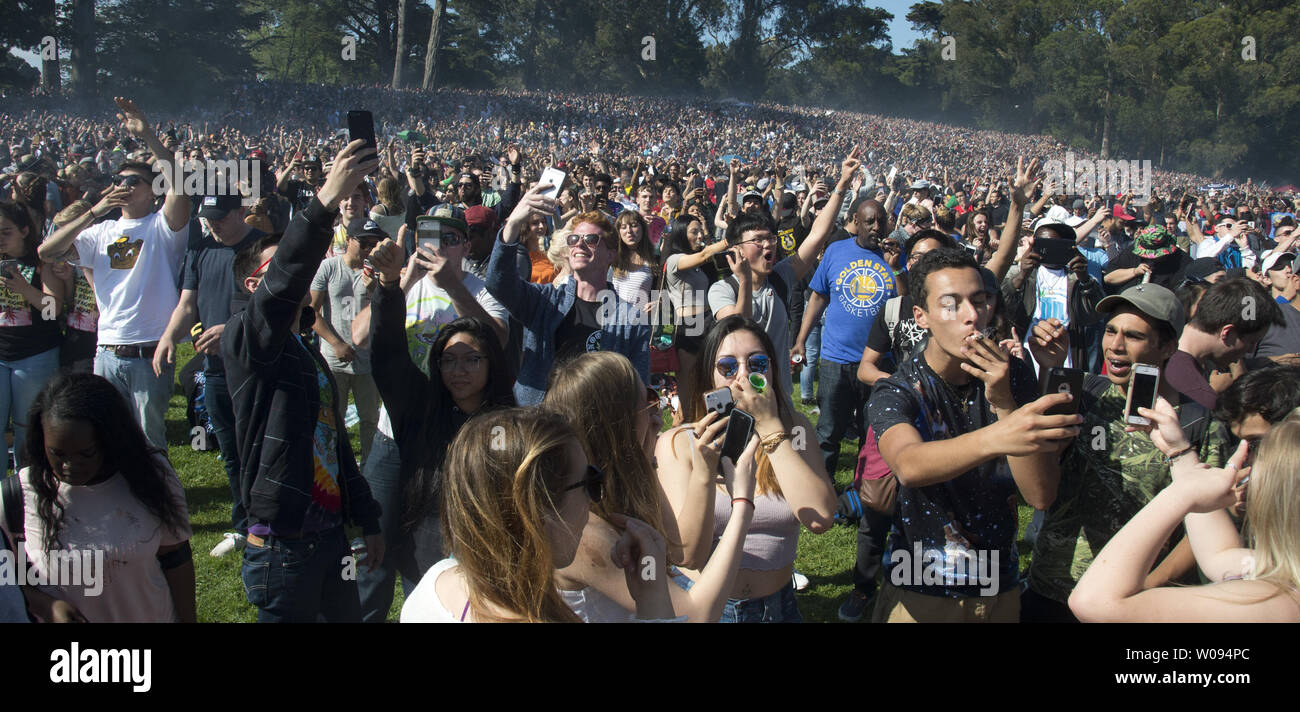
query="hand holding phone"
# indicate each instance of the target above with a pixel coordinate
(1144, 386)
(1063, 380)
(428, 234)
(740, 428)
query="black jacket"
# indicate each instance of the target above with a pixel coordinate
(273, 387)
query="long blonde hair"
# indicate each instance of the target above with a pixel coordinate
(1273, 506)
(596, 393)
(501, 481)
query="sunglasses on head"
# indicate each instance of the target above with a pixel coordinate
(594, 482)
(129, 181)
(728, 366)
(591, 239)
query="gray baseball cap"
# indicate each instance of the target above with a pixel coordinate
(1153, 300)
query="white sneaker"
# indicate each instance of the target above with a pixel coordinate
(232, 541)
(800, 581)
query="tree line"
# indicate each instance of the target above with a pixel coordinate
(1198, 85)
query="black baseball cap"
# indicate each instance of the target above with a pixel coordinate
(216, 207)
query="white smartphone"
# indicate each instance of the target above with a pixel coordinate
(553, 177)
(428, 234)
(1144, 386)
(893, 171)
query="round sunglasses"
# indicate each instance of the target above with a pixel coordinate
(728, 366)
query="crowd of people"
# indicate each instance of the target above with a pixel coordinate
(586, 339)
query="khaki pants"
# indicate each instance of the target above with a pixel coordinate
(897, 605)
(366, 393)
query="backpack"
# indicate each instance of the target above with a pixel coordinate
(1193, 417)
(892, 309)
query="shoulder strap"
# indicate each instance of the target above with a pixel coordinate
(778, 287)
(11, 496)
(892, 309)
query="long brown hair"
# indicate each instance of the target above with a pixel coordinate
(701, 379)
(501, 480)
(596, 393)
(623, 263)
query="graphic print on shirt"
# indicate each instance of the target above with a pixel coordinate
(593, 341)
(122, 253)
(83, 314)
(14, 310)
(862, 286)
(325, 491)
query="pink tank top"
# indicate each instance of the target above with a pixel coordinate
(773, 538)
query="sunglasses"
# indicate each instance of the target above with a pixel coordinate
(591, 239)
(594, 481)
(129, 181)
(728, 366)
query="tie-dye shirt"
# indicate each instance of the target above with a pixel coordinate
(325, 510)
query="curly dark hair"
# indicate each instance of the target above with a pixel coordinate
(93, 400)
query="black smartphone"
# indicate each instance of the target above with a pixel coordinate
(9, 268)
(361, 125)
(740, 428)
(1064, 380)
(1055, 251)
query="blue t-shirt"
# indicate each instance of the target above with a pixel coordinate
(1097, 260)
(857, 282)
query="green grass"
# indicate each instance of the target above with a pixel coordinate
(827, 560)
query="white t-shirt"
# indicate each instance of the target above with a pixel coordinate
(137, 266)
(1052, 291)
(423, 605)
(106, 517)
(1211, 246)
(428, 309)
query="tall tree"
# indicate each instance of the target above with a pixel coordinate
(82, 30)
(399, 60)
(431, 51)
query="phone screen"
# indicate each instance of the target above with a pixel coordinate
(1142, 391)
(361, 125)
(428, 234)
(739, 430)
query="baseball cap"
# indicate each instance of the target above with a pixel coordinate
(1061, 227)
(1201, 268)
(1118, 211)
(1272, 258)
(1078, 204)
(481, 217)
(365, 227)
(1153, 300)
(920, 184)
(451, 216)
(750, 194)
(216, 207)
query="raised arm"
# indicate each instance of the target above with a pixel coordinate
(824, 226)
(176, 207)
(1023, 187)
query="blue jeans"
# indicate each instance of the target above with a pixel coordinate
(148, 394)
(221, 412)
(301, 580)
(811, 350)
(20, 382)
(382, 472)
(780, 607)
(842, 400)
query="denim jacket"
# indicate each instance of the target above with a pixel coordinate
(542, 308)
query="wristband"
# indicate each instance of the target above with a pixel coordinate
(1170, 459)
(389, 285)
(771, 442)
(742, 499)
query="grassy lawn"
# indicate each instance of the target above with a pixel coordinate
(827, 560)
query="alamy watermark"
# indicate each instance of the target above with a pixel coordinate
(950, 566)
(241, 177)
(1084, 176)
(64, 568)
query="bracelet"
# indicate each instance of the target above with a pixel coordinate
(742, 499)
(388, 285)
(771, 442)
(1170, 459)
